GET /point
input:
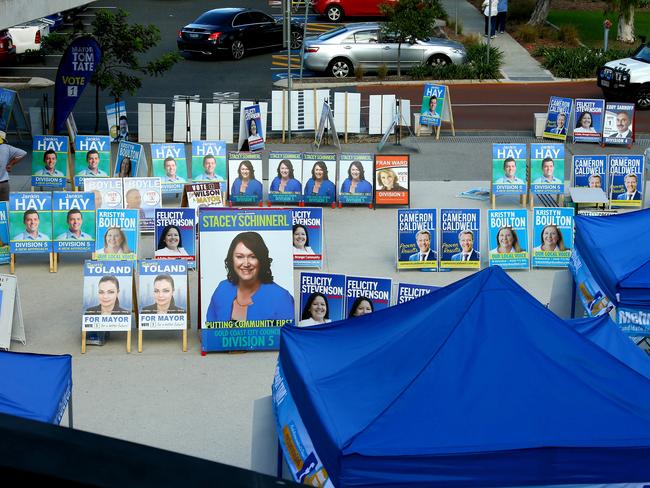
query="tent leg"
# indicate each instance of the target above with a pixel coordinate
(70, 422)
(278, 473)
(573, 299)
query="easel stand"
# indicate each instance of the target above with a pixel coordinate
(447, 116)
(53, 263)
(396, 124)
(523, 198)
(184, 334)
(559, 199)
(83, 341)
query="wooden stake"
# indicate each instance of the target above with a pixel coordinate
(12, 263)
(139, 339)
(185, 340)
(284, 114)
(451, 114)
(128, 341)
(345, 115)
(83, 342)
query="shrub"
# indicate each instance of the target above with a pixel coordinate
(579, 62)
(452, 26)
(382, 71)
(358, 72)
(527, 33)
(569, 35)
(520, 10)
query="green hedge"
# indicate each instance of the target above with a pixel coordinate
(476, 67)
(579, 62)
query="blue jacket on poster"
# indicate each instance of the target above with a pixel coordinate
(327, 189)
(363, 186)
(292, 186)
(254, 188)
(270, 301)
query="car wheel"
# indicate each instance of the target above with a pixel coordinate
(237, 49)
(340, 68)
(296, 40)
(439, 60)
(643, 97)
(334, 13)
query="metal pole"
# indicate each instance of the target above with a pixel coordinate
(304, 34)
(489, 29)
(289, 81)
(456, 18)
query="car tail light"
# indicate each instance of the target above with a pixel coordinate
(214, 36)
(2, 45)
(180, 34)
(37, 37)
(311, 49)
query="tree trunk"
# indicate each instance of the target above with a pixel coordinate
(540, 13)
(399, 59)
(625, 32)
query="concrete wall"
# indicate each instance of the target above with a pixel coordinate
(14, 12)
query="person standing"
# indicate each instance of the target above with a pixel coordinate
(490, 10)
(502, 13)
(9, 156)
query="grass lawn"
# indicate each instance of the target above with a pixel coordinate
(590, 25)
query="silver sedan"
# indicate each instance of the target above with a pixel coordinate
(341, 51)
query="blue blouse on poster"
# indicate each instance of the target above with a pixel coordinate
(292, 186)
(270, 302)
(254, 188)
(327, 189)
(362, 187)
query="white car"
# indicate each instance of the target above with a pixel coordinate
(29, 36)
(628, 78)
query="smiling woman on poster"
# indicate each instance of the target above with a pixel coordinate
(285, 182)
(114, 242)
(316, 311)
(551, 239)
(125, 167)
(301, 240)
(249, 292)
(506, 241)
(170, 242)
(163, 296)
(585, 123)
(108, 290)
(356, 181)
(361, 306)
(245, 183)
(319, 183)
(387, 179)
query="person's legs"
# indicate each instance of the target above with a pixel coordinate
(501, 22)
(493, 26)
(487, 19)
(4, 191)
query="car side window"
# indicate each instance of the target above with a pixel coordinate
(242, 19)
(366, 37)
(260, 18)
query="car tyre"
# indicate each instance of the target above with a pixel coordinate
(340, 68)
(334, 13)
(643, 97)
(296, 40)
(439, 60)
(237, 49)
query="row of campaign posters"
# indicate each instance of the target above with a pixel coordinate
(593, 120)
(108, 295)
(453, 242)
(620, 176)
(295, 177)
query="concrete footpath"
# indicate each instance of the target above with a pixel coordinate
(202, 406)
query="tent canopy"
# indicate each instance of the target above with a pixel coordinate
(615, 251)
(474, 384)
(35, 386)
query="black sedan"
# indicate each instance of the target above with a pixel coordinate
(235, 31)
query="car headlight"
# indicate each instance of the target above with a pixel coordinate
(458, 51)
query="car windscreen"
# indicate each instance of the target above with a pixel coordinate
(214, 18)
(332, 33)
(643, 54)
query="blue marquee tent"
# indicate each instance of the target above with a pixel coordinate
(35, 386)
(615, 250)
(475, 384)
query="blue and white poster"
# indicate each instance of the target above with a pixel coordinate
(128, 159)
(30, 222)
(508, 238)
(627, 176)
(245, 178)
(619, 123)
(7, 98)
(558, 118)
(407, 292)
(319, 178)
(307, 229)
(73, 221)
(356, 178)
(92, 158)
(417, 246)
(509, 169)
(5, 256)
(547, 169)
(50, 161)
(254, 128)
(285, 176)
(169, 163)
(590, 117)
(246, 278)
(433, 102)
(366, 295)
(209, 161)
(107, 296)
(590, 172)
(143, 195)
(117, 234)
(107, 191)
(460, 238)
(175, 234)
(591, 295)
(322, 298)
(552, 237)
(633, 322)
(118, 124)
(162, 294)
